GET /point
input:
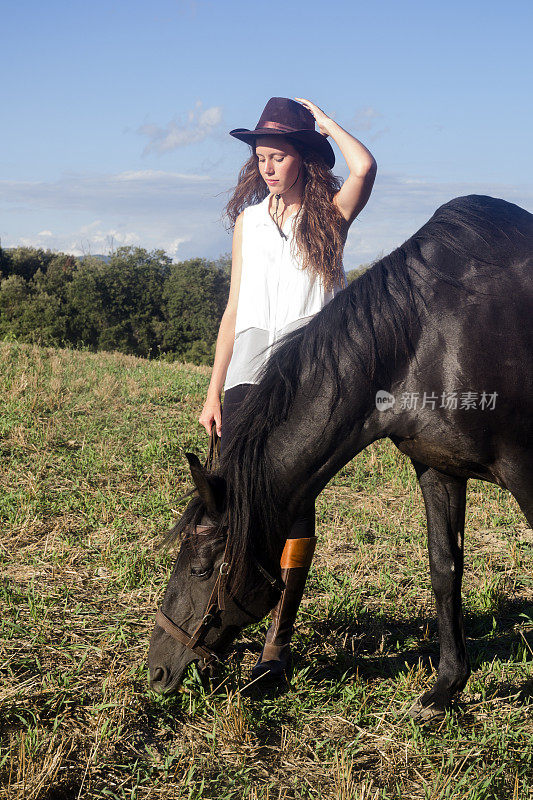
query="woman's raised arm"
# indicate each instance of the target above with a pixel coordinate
(356, 189)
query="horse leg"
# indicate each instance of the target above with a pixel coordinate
(521, 489)
(445, 501)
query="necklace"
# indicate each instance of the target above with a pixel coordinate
(279, 219)
(278, 198)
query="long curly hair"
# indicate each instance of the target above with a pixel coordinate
(319, 227)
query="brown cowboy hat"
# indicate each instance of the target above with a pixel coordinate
(284, 117)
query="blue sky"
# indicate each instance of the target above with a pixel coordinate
(115, 115)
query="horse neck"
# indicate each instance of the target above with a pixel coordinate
(363, 341)
(313, 444)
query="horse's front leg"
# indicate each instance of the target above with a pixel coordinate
(445, 501)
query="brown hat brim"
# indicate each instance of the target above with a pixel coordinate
(313, 139)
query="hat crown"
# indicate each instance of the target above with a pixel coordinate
(288, 113)
(284, 117)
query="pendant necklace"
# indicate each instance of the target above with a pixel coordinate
(282, 234)
(275, 214)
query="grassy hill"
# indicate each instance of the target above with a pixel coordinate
(91, 471)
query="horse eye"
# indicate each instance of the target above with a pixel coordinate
(198, 572)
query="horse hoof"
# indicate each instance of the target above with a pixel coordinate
(426, 713)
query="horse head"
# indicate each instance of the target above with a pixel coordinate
(203, 608)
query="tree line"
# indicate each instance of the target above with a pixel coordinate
(133, 301)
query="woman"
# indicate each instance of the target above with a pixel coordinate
(291, 217)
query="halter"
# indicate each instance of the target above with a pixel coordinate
(215, 604)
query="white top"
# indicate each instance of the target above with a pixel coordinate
(275, 296)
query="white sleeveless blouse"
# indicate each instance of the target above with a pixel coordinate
(275, 296)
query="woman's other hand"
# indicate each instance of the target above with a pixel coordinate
(212, 410)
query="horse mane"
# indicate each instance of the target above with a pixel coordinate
(378, 307)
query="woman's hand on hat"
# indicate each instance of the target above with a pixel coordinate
(321, 119)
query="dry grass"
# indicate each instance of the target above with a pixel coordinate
(90, 474)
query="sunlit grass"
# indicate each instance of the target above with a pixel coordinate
(92, 468)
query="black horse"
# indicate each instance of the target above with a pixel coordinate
(431, 347)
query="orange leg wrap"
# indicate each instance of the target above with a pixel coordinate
(298, 553)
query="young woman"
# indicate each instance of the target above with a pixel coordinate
(291, 216)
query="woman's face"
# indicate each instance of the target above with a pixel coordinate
(278, 162)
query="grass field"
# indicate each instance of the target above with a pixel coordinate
(92, 467)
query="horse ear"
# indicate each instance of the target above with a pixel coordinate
(202, 482)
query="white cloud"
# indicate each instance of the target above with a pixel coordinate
(365, 118)
(172, 248)
(94, 213)
(182, 213)
(199, 125)
(188, 7)
(157, 174)
(116, 193)
(90, 238)
(97, 240)
(368, 119)
(400, 205)
(210, 117)
(90, 227)
(94, 239)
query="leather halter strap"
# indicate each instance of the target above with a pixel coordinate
(182, 636)
(215, 604)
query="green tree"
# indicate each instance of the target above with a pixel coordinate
(135, 301)
(223, 263)
(26, 261)
(116, 305)
(194, 297)
(30, 314)
(14, 293)
(5, 262)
